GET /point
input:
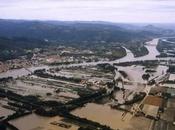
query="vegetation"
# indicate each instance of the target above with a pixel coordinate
(166, 48)
(150, 71)
(137, 48)
(6, 79)
(17, 37)
(137, 97)
(70, 33)
(123, 73)
(171, 39)
(146, 63)
(11, 48)
(145, 76)
(105, 67)
(93, 125)
(2, 126)
(17, 114)
(43, 74)
(171, 69)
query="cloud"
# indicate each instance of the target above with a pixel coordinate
(90, 10)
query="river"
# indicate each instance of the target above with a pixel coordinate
(151, 46)
(100, 113)
(21, 72)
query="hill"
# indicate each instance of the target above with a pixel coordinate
(18, 35)
(69, 32)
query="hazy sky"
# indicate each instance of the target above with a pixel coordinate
(90, 10)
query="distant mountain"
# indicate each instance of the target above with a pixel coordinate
(158, 30)
(16, 36)
(71, 32)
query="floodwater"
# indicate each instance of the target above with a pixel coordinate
(14, 73)
(5, 112)
(35, 122)
(99, 113)
(153, 52)
(21, 72)
(24, 88)
(134, 73)
(104, 114)
(128, 57)
(151, 46)
(165, 40)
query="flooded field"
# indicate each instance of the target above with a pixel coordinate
(104, 115)
(76, 81)
(151, 46)
(5, 112)
(47, 90)
(116, 119)
(34, 122)
(21, 72)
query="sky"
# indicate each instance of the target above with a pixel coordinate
(123, 11)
